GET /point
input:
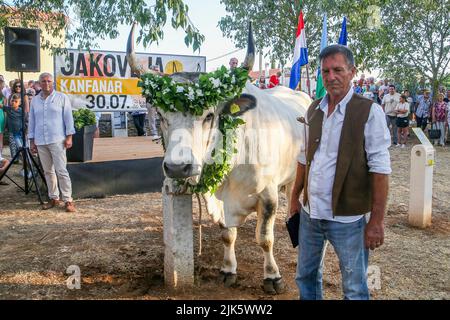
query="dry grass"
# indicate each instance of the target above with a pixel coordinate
(118, 244)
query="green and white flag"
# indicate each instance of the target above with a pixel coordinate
(320, 89)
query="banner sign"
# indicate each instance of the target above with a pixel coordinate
(102, 80)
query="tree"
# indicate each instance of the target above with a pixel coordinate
(407, 40)
(276, 25)
(418, 41)
(83, 21)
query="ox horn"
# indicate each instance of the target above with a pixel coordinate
(131, 55)
(249, 60)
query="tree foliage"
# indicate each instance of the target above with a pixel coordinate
(84, 21)
(276, 24)
(406, 40)
(417, 45)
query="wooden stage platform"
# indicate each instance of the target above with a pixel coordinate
(122, 165)
(125, 148)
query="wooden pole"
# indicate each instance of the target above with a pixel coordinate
(308, 82)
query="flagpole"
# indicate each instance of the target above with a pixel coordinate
(308, 81)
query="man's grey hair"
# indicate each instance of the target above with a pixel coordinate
(45, 74)
(335, 49)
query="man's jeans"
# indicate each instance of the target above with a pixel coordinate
(348, 242)
(392, 120)
(17, 137)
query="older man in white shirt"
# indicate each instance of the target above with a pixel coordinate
(343, 170)
(389, 103)
(50, 132)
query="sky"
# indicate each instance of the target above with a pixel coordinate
(205, 15)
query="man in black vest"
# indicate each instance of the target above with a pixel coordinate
(343, 170)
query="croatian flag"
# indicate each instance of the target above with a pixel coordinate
(300, 53)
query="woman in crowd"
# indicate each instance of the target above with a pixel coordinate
(262, 83)
(402, 111)
(17, 88)
(439, 115)
(448, 121)
(2, 121)
(380, 96)
(410, 100)
(273, 81)
(367, 93)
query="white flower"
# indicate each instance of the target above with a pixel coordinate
(226, 75)
(191, 95)
(233, 79)
(199, 93)
(153, 85)
(147, 91)
(180, 89)
(146, 82)
(215, 82)
(166, 91)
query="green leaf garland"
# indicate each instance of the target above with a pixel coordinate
(211, 89)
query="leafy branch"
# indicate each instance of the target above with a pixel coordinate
(80, 21)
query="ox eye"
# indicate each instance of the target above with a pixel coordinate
(209, 117)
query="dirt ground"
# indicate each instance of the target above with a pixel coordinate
(118, 244)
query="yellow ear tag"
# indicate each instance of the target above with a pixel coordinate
(235, 108)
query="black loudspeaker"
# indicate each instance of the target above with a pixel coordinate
(22, 49)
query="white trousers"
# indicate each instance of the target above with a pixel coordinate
(440, 125)
(54, 161)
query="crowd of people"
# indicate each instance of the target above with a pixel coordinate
(403, 109)
(274, 80)
(11, 110)
(44, 118)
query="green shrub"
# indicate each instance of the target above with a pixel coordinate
(83, 117)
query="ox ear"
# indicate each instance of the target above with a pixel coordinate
(240, 105)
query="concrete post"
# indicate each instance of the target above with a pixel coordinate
(421, 185)
(178, 238)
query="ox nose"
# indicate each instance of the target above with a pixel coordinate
(178, 171)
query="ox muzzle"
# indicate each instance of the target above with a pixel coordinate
(181, 171)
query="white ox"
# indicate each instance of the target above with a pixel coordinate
(266, 160)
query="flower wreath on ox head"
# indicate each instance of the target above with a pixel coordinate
(211, 89)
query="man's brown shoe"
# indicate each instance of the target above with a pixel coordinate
(70, 207)
(52, 203)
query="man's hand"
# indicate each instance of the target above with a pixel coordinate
(297, 189)
(295, 206)
(68, 142)
(374, 234)
(33, 147)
